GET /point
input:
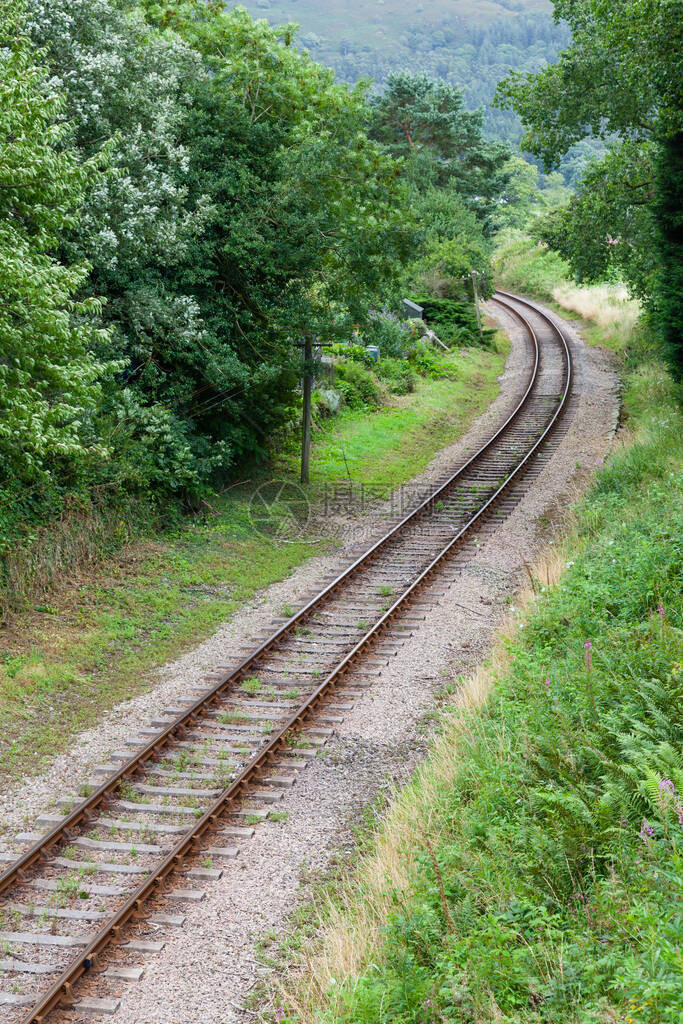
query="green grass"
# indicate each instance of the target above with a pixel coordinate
(63, 663)
(395, 443)
(532, 870)
(550, 891)
(59, 672)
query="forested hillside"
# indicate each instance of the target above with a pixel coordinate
(471, 45)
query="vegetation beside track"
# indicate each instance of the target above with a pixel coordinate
(609, 317)
(64, 662)
(532, 870)
(398, 441)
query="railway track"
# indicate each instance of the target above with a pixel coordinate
(112, 871)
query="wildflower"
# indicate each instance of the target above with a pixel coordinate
(569, 565)
(660, 610)
(588, 648)
(547, 682)
(646, 830)
(280, 1013)
(666, 786)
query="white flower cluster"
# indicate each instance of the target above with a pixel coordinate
(123, 87)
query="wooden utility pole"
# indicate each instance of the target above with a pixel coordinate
(306, 419)
(476, 303)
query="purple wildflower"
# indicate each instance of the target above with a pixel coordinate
(646, 830)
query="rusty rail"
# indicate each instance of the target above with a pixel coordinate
(62, 990)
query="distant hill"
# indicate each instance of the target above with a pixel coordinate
(379, 23)
(472, 43)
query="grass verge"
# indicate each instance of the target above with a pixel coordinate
(610, 317)
(97, 642)
(531, 872)
(396, 443)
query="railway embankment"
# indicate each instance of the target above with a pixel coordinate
(531, 868)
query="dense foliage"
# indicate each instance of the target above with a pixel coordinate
(197, 194)
(455, 181)
(220, 212)
(618, 81)
(454, 322)
(49, 379)
(425, 121)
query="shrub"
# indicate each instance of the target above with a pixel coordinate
(428, 362)
(326, 402)
(419, 357)
(358, 385)
(386, 330)
(356, 352)
(454, 322)
(397, 374)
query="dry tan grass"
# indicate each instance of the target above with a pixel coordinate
(350, 923)
(605, 305)
(55, 556)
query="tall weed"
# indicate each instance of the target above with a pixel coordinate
(43, 557)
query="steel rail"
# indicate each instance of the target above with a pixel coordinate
(110, 933)
(84, 811)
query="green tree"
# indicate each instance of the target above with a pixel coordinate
(245, 205)
(424, 121)
(49, 386)
(126, 84)
(525, 196)
(304, 227)
(453, 244)
(606, 230)
(668, 217)
(620, 80)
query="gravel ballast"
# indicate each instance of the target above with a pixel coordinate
(208, 967)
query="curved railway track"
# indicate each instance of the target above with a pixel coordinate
(200, 777)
